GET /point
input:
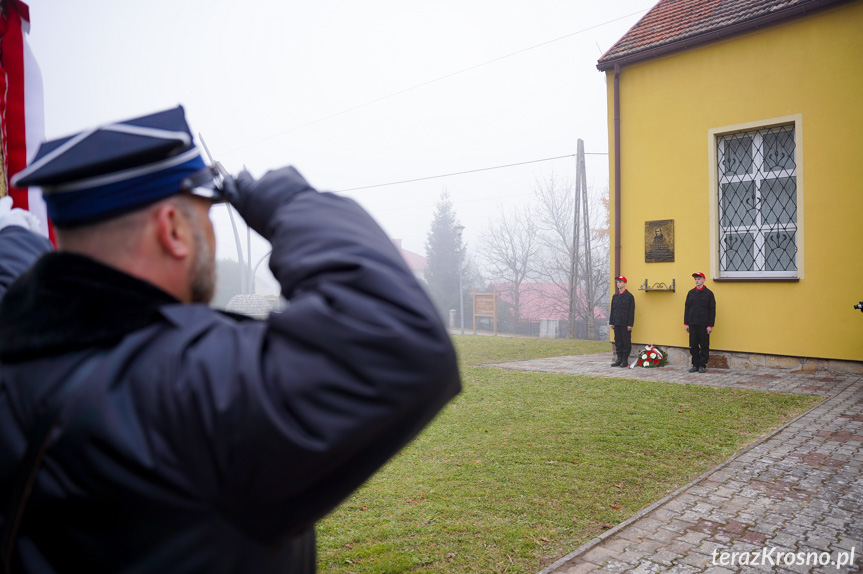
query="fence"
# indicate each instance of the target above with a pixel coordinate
(534, 328)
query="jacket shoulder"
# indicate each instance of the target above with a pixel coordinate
(180, 314)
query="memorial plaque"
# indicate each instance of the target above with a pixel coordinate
(659, 241)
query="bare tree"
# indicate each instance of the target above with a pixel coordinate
(554, 221)
(565, 263)
(509, 249)
(601, 274)
(598, 274)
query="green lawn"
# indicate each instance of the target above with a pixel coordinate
(521, 468)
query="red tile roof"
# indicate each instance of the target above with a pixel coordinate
(542, 300)
(416, 262)
(673, 25)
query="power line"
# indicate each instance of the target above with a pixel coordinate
(454, 173)
(463, 172)
(432, 81)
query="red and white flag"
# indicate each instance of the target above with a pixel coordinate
(22, 118)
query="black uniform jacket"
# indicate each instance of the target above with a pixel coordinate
(622, 311)
(700, 307)
(205, 443)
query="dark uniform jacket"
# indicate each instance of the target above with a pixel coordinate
(204, 443)
(700, 307)
(622, 311)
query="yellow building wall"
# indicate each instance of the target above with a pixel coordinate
(810, 68)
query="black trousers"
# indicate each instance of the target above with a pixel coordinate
(622, 340)
(699, 345)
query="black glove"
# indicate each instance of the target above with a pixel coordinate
(258, 200)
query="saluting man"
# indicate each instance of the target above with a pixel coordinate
(143, 431)
(622, 317)
(699, 315)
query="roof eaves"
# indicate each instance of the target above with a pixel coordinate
(686, 43)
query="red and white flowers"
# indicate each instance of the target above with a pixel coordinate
(649, 357)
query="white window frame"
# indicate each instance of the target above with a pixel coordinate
(714, 135)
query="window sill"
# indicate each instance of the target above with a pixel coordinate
(756, 279)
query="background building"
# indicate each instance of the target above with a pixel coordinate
(416, 262)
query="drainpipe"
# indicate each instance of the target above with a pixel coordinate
(616, 170)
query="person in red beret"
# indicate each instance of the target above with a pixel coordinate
(699, 315)
(621, 317)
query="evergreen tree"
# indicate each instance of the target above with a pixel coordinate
(442, 254)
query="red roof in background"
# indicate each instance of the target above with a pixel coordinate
(673, 25)
(542, 301)
(416, 262)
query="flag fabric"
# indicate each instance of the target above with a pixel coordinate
(22, 124)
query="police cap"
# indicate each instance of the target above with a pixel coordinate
(116, 168)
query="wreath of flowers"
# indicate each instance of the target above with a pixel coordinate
(649, 357)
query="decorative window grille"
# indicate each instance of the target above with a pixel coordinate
(757, 176)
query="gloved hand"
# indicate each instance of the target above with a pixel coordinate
(17, 216)
(257, 200)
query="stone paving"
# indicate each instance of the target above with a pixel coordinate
(794, 497)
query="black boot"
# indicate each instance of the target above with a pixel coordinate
(624, 361)
(618, 362)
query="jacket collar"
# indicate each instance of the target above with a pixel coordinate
(68, 302)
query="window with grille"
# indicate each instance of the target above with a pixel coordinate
(757, 177)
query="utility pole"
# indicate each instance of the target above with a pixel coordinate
(581, 226)
(581, 181)
(573, 264)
